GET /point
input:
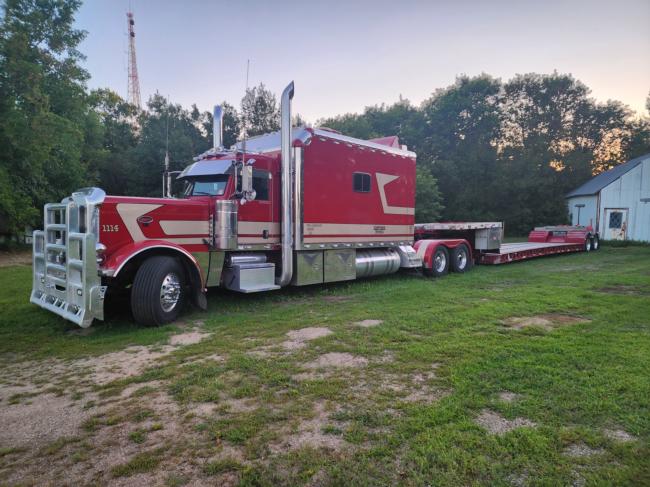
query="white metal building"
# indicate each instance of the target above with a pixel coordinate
(616, 203)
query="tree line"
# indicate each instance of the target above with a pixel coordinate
(487, 149)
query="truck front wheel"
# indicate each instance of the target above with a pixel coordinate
(158, 291)
(439, 262)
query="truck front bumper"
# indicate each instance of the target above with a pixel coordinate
(66, 279)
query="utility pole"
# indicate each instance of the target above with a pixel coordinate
(134, 81)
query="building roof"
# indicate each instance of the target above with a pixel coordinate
(595, 184)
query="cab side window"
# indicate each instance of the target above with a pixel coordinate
(261, 184)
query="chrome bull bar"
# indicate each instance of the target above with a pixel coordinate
(66, 278)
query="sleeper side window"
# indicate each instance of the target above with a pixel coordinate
(361, 182)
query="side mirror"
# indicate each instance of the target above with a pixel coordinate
(247, 190)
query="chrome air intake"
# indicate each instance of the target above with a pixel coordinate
(287, 195)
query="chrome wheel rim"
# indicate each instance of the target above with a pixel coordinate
(588, 245)
(461, 261)
(439, 262)
(595, 244)
(170, 292)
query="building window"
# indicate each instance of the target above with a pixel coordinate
(261, 180)
(615, 219)
(361, 182)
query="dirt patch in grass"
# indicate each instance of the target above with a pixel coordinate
(508, 397)
(619, 435)
(119, 365)
(546, 321)
(310, 433)
(187, 338)
(368, 323)
(427, 395)
(336, 299)
(623, 290)
(337, 360)
(498, 425)
(8, 259)
(297, 338)
(578, 450)
(43, 419)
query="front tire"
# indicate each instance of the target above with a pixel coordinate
(158, 291)
(460, 259)
(439, 262)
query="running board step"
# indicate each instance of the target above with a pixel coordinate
(250, 277)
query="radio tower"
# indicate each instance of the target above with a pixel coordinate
(134, 82)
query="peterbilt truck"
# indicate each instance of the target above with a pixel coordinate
(297, 207)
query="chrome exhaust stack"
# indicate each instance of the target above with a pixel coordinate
(217, 132)
(287, 196)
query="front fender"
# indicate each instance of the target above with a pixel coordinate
(119, 259)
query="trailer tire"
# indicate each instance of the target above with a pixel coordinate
(158, 291)
(460, 259)
(595, 243)
(439, 262)
(588, 244)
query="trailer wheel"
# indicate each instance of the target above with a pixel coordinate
(439, 262)
(460, 260)
(158, 291)
(595, 242)
(588, 244)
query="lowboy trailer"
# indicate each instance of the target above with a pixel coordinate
(296, 207)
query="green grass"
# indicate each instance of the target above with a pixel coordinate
(573, 381)
(140, 463)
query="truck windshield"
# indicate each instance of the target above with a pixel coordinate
(206, 185)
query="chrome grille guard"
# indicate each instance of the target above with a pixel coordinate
(66, 279)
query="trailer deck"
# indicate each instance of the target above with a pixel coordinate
(513, 252)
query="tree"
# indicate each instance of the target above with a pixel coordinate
(458, 145)
(44, 116)
(112, 163)
(428, 202)
(260, 112)
(165, 126)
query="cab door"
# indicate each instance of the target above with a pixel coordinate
(256, 225)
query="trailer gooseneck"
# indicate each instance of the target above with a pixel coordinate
(297, 207)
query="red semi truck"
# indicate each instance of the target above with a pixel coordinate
(297, 207)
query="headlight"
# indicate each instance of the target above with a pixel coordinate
(100, 250)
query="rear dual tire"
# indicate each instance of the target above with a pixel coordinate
(158, 291)
(442, 261)
(460, 259)
(595, 243)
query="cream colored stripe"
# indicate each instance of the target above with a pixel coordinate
(422, 249)
(185, 241)
(185, 227)
(251, 228)
(382, 181)
(129, 213)
(354, 229)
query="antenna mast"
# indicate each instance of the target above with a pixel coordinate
(134, 81)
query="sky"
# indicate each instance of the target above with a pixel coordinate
(346, 55)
